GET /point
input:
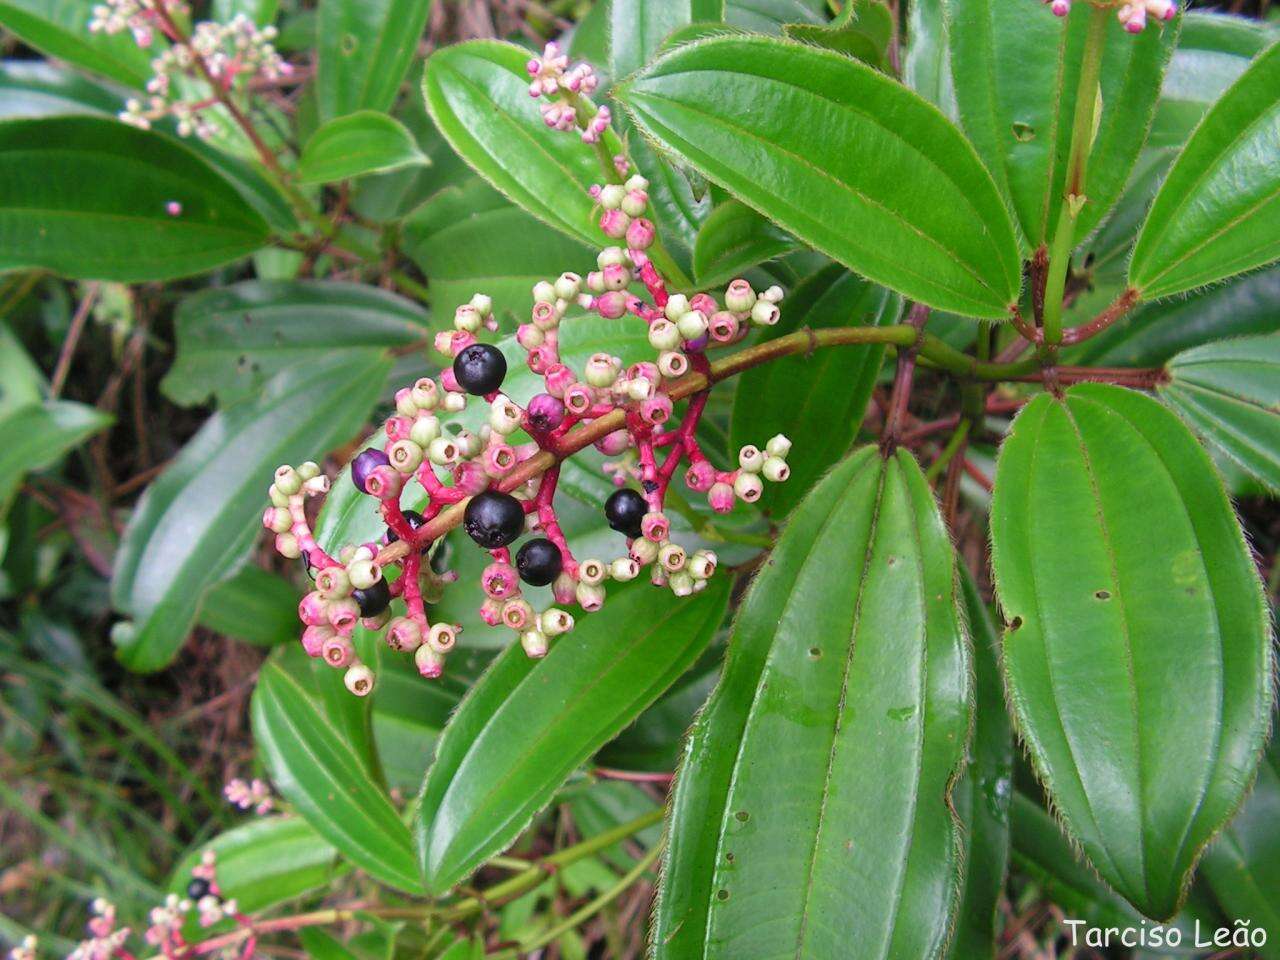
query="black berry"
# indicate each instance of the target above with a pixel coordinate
(373, 600)
(493, 519)
(415, 520)
(198, 889)
(624, 510)
(480, 369)
(539, 562)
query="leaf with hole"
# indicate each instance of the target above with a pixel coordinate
(849, 649)
(527, 724)
(1229, 393)
(744, 112)
(1138, 661)
(1215, 214)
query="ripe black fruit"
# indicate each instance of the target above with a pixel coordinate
(480, 368)
(624, 510)
(415, 520)
(198, 889)
(493, 519)
(539, 562)
(373, 600)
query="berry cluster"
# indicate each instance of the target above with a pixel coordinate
(228, 55)
(1132, 13)
(566, 89)
(481, 469)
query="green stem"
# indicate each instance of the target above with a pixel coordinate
(958, 438)
(1073, 197)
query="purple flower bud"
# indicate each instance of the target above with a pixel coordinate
(545, 413)
(701, 476)
(697, 344)
(364, 464)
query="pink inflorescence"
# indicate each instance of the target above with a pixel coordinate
(565, 90)
(476, 467)
(1132, 13)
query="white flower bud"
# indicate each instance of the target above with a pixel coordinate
(277, 496)
(425, 393)
(636, 182)
(611, 256)
(442, 451)
(611, 196)
(592, 571)
(624, 569)
(405, 456)
(555, 621)
(672, 363)
(504, 416)
(739, 297)
(455, 402)
(544, 292)
(442, 637)
(424, 430)
(308, 470)
(363, 574)
(778, 446)
(534, 643)
(482, 303)
(748, 487)
(590, 596)
(568, 286)
(702, 565)
(467, 318)
(765, 313)
(677, 306)
(671, 556)
(643, 551)
(692, 325)
(750, 458)
(773, 294)
(664, 335)
(288, 481)
(681, 583)
(776, 470)
(359, 679)
(287, 546)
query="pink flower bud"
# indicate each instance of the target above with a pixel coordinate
(499, 581)
(529, 336)
(173, 208)
(614, 223)
(311, 609)
(517, 614)
(578, 399)
(616, 276)
(543, 358)
(385, 482)
(721, 497)
(315, 637)
(723, 326)
(443, 342)
(611, 305)
(545, 412)
(397, 428)
(641, 234)
(656, 410)
(701, 476)
(449, 381)
(491, 612)
(564, 589)
(430, 664)
(337, 651)
(544, 316)
(404, 635)
(655, 526)
(343, 615)
(470, 477)
(613, 444)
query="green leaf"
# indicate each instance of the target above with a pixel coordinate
(734, 239)
(321, 946)
(232, 340)
(1229, 393)
(862, 30)
(408, 715)
(798, 134)
(527, 724)
(1243, 865)
(363, 51)
(1155, 332)
(473, 240)
(199, 519)
(60, 29)
(981, 796)
(818, 401)
(313, 738)
(1138, 655)
(253, 605)
(771, 16)
(36, 88)
(87, 197)
(1215, 214)
(264, 862)
(356, 145)
(261, 12)
(926, 67)
(38, 435)
(638, 28)
(1016, 72)
(814, 799)
(478, 95)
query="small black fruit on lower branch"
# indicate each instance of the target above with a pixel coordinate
(539, 562)
(624, 510)
(493, 519)
(373, 600)
(480, 368)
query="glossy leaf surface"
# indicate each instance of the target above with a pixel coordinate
(232, 340)
(364, 48)
(356, 145)
(1138, 659)
(817, 401)
(313, 736)
(1016, 72)
(744, 112)
(1216, 212)
(200, 517)
(60, 28)
(37, 435)
(1229, 392)
(478, 96)
(527, 724)
(88, 197)
(850, 650)
(734, 239)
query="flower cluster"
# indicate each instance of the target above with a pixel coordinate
(105, 939)
(250, 794)
(566, 89)
(227, 55)
(1132, 13)
(505, 498)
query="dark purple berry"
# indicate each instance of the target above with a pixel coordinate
(480, 369)
(624, 510)
(493, 519)
(545, 413)
(364, 464)
(539, 562)
(198, 889)
(415, 520)
(373, 600)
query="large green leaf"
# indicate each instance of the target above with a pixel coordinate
(1138, 653)
(527, 724)
(771, 16)
(232, 340)
(1243, 865)
(37, 435)
(818, 401)
(1154, 332)
(1215, 214)
(1229, 392)
(363, 51)
(253, 605)
(1016, 72)
(478, 95)
(264, 862)
(314, 738)
(473, 240)
(89, 197)
(907, 205)
(981, 796)
(814, 798)
(37, 88)
(734, 239)
(201, 516)
(356, 145)
(926, 67)
(60, 28)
